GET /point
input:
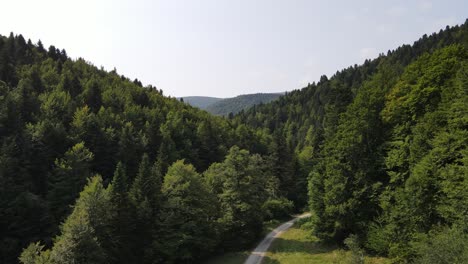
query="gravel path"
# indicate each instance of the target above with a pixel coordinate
(260, 251)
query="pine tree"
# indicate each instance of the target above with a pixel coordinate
(83, 234)
(67, 179)
(121, 222)
(92, 95)
(144, 196)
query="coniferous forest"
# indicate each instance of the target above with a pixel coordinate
(96, 168)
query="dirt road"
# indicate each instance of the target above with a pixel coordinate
(260, 251)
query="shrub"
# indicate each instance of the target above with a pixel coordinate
(444, 245)
(378, 239)
(357, 254)
(277, 208)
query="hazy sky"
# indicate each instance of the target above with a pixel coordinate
(225, 48)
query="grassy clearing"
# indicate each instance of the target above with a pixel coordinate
(296, 246)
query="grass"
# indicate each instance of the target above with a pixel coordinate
(240, 257)
(297, 246)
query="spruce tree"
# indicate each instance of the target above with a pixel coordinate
(121, 222)
(68, 178)
(144, 194)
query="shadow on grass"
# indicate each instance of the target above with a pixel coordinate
(293, 246)
(268, 260)
(228, 258)
(237, 258)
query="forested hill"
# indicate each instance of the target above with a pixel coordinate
(96, 168)
(242, 102)
(230, 106)
(383, 147)
(201, 102)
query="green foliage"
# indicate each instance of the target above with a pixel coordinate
(145, 197)
(277, 208)
(381, 147)
(357, 254)
(239, 183)
(377, 238)
(35, 254)
(122, 224)
(427, 151)
(63, 120)
(189, 215)
(351, 173)
(383, 144)
(83, 234)
(447, 245)
(68, 178)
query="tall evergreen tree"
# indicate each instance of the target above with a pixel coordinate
(144, 195)
(68, 178)
(121, 222)
(83, 233)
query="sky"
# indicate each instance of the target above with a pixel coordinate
(225, 48)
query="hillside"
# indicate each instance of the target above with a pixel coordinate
(225, 106)
(383, 147)
(201, 102)
(96, 168)
(242, 102)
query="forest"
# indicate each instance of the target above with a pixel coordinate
(228, 107)
(97, 168)
(231, 106)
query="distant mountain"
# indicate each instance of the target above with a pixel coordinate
(241, 102)
(201, 101)
(220, 106)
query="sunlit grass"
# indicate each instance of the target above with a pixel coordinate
(297, 246)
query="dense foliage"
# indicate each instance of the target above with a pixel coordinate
(383, 147)
(64, 121)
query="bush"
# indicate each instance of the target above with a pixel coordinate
(34, 254)
(305, 223)
(445, 245)
(357, 254)
(378, 239)
(277, 208)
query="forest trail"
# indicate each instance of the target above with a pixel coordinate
(260, 251)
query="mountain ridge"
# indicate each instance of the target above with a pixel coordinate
(225, 106)
(200, 101)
